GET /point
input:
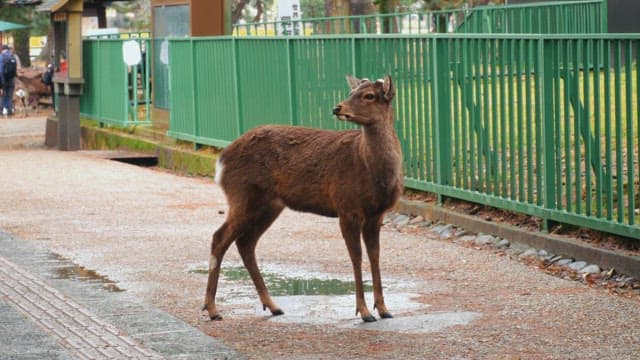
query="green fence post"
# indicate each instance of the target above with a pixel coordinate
(194, 90)
(236, 86)
(547, 57)
(442, 110)
(293, 111)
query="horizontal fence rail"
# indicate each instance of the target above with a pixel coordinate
(542, 125)
(588, 16)
(113, 92)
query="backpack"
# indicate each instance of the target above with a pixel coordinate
(47, 77)
(9, 67)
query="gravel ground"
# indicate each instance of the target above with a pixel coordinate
(148, 229)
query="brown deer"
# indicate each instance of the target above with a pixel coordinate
(355, 175)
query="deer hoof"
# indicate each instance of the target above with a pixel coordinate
(386, 315)
(277, 312)
(369, 318)
(215, 317)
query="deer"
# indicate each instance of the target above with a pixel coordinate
(354, 175)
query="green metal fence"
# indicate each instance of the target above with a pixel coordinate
(113, 92)
(545, 125)
(586, 16)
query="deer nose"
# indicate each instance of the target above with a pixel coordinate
(336, 110)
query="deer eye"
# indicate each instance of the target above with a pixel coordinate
(369, 96)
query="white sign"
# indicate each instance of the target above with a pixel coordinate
(164, 52)
(288, 12)
(131, 53)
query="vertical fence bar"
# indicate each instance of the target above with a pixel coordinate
(464, 77)
(529, 120)
(597, 54)
(629, 131)
(291, 83)
(478, 179)
(557, 146)
(236, 87)
(547, 56)
(485, 124)
(607, 129)
(520, 121)
(194, 89)
(457, 122)
(577, 125)
(566, 64)
(538, 78)
(504, 98)
(442, 118)
(637, 97)
(618, 134)
(587, 125)
(511, 77)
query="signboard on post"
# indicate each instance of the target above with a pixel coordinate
(289, 14)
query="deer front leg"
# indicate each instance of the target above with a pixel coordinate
(351, 234)
(371, 235)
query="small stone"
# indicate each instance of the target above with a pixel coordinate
(564, 261)
(445, 231)
(485, 239)
(467, 238)
(504, 243)
(543, 253)
(401, 220)
(529, 252)
(426, 223)
(578, 265)
(462, 232)
(590, 269)
(416, 220)
(518, 248)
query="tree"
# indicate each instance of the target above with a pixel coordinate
(249, 10)
(132, 16)
(23, 12)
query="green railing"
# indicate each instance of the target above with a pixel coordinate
(114, 93)
(545, 125)
(587, 16)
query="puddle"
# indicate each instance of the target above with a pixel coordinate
(71, 271)
(281, 285)
(324, 299)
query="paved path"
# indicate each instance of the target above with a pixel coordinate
(43, 316)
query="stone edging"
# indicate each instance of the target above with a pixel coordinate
(629, 265)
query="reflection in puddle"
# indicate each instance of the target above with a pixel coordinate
(281, 285)
(69, 270)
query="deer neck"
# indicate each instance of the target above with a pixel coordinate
(380, 146)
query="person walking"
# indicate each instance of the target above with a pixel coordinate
(8, 72)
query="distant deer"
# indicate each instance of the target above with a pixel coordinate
(354, 174)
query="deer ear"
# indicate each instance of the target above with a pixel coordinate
(388, 88)
(353, 82)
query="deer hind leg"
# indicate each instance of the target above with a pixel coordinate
(246, 244)
(351, 233)
(371, 235)
(222, 238)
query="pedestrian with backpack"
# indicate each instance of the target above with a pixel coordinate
(8, 72)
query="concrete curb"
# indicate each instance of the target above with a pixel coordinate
(629, 265)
